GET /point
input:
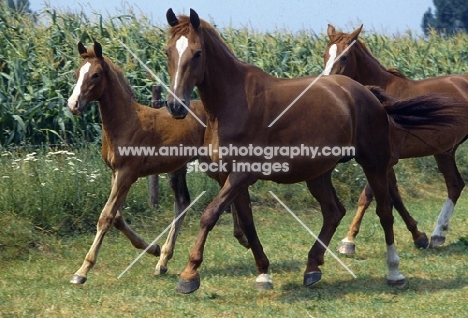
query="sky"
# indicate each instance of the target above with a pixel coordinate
(391, 17)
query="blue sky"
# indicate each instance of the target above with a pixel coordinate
(391, 17)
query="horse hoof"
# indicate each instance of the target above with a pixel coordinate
(437, 240)
(399, 283)
(263, 282)
(422, 242)
(157, 250)
(347, 248)
(244, 242)
(312, 278)
(160, 270)
(78, 279)
(187, 286)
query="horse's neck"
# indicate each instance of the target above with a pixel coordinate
(118, 111)
(370, 71)
(224, 74)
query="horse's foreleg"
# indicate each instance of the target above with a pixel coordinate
(247, 226)
(178, 184)
(238, 232)
(348, 245)
(332, 211)
(236, 183)
(380, 185)
(454, 182)
(121, 183)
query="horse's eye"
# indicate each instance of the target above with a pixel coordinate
(344, 58)
(95, 75)
(197, 54)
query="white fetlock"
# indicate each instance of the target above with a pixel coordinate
(263, 281)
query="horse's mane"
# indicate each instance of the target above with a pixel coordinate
(183, 27)
(114, 69)
(394, 71)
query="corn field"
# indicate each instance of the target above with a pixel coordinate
(38, 58)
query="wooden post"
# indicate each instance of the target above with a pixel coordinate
(156, 101)
(153, 180)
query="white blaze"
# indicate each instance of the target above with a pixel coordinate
(77, 89)
(331, 60)
(181, 46)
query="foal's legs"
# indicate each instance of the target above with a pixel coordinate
(121, 183)
(332, 212)
(178, 184)
(235, 185)
(454, 182)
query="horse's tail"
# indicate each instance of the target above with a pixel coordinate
(430, 111)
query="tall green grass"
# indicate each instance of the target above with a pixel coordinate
(63, 192)
(38, 58)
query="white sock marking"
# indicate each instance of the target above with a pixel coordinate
(393, 261)
(77, 89)
(329, 65)
(181, 46)
(264, 278)
(445, 214)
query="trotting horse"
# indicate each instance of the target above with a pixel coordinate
(246, 108)
(125, 123)
(359, 64)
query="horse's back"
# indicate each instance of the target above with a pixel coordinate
(453, 85)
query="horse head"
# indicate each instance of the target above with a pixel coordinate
(339, 42)
(90, 80)
(185, 52)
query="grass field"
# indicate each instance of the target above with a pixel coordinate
(35, 282)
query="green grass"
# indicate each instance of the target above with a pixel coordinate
(34, 282)
(38, 59)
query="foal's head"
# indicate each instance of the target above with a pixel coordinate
(347, 63)
(90, 81)
(185, 52)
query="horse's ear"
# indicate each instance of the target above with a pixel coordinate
(331, 30)
(194, 19)
(81, 48)
(171, 18)
(353, 36)
(98, 49)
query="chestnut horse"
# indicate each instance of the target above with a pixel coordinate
(243, 106)
(359, 64)
(127, 123)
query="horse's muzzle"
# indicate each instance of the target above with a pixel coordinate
(74, 107)
(177, 109)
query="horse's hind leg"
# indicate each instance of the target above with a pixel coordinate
(454, 182)
(136, 240)
(332, 211)
(380, 185)
(178, 184)
(348, 245)
(121, 183)
(419, 238)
